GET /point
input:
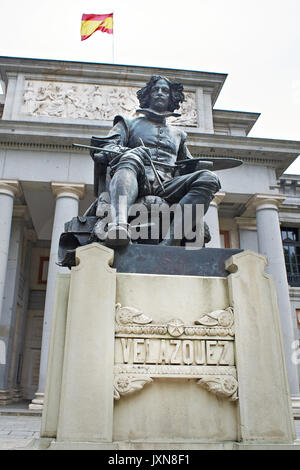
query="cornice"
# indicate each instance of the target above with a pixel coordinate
(49, 136)
(239, 118)
(247, 143)
(130, 73)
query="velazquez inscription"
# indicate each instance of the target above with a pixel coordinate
(204, 350)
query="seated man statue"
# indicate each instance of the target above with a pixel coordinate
(149, 152)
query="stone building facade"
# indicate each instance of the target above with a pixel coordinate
(48, 105)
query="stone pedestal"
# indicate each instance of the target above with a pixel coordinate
(141, 361)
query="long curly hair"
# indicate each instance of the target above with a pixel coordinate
(176, 93)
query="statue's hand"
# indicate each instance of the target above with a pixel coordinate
(101, 157)
(143, 152)
(105, 158)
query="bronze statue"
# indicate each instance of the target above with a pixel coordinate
(143, 157)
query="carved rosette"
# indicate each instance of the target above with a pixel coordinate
(127, 315)
(203, 351)
(125, 384)
(223, 318)
(223, 386)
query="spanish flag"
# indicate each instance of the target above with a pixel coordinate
(91, 23)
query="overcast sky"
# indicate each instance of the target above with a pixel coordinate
(255, 42)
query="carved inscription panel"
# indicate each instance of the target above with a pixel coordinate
(174, 351)
(91, 101)
(145, 350)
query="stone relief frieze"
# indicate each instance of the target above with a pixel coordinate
(93, 102)
(204, 351)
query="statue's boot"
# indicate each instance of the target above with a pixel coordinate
(123, 193)
(201, 196)
(118, 235)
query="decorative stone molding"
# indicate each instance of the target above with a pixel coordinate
(219, 380)
(132, 321)
(92, 101)
(204, 350)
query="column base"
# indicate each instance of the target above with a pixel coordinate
(10, 396)
(38, 402)
(5, 397)
(17, 395)
(296, 406)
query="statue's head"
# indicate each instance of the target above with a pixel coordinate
(160, 94)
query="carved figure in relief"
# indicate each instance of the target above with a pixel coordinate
(127, 102)
(29, 100)
(50, 100)
(42, 100)
(95, 103)
(188, 110)
(72, 102)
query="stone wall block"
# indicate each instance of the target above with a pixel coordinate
(86, 409)
(56, 356)
(264, 403)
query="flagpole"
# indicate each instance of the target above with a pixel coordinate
(113, 38)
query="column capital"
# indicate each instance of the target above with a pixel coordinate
(219, 196)
(61, 189)
(264, 201)
(10, 187)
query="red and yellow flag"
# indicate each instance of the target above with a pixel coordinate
(91, 23)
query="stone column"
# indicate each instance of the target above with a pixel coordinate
(8, 190)
(12, 323)
(270, 245)
(67, 202)
(212, 220)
